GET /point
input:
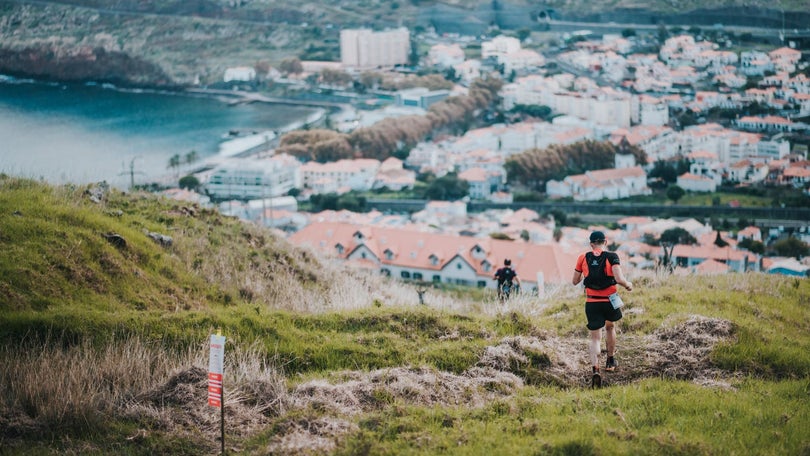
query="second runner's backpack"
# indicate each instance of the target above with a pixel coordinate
(597, 278)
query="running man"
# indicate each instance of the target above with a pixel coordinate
(601, 272)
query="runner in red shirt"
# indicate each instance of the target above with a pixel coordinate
(601, 272)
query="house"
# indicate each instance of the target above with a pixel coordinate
(612, 183)
(480, 181)
(499, 46)
(765, 123)
(393, 176)
(421, 256)
(796, 176)
(785, 59)
(446, 55)
(521, 60)
(658, 141)
(696, 183)
(789, 266)
(750, 232)
(688, 256)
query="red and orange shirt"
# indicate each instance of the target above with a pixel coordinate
(592, 295)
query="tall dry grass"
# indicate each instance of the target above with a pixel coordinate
(76, 389)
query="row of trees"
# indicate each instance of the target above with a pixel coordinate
(393, 136)
(534, 167)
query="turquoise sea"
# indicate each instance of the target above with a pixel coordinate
(85, 133)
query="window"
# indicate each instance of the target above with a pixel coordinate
(482, 284)
(437, 279)
(385, 272)
(417, 276)
(405, 274)
(458, 265)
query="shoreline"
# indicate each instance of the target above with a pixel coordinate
(152, 154)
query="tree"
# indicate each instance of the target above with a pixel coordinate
(677, 236)
(719, 241)
(291, 65)
(189, 182)
(523, 33)
(447, 188)
(628, 32)
(665, 171)
(675, 193)
(174, 162)
(791, 247)
(191, 157)
(752, 245)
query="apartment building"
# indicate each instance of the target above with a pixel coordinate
(365, 48)
(253, 178)
(336, 176)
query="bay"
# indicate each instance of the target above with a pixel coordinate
(85, 133)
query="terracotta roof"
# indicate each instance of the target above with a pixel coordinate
(414, 249)
(711, 267)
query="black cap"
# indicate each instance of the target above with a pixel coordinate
(507, 262)
(597, 236)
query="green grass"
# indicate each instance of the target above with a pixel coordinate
(74, 304)
(649, 418)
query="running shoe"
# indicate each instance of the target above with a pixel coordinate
(596, 380)
(611, 364)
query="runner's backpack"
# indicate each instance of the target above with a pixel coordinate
(597, 278)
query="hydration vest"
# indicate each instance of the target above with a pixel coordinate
(597, 278)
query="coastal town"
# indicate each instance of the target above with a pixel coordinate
(714, 113)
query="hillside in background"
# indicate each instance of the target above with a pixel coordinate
(107, 300)
(181, 43)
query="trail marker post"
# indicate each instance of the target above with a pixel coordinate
(216, 395)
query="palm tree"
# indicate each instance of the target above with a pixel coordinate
(174, 162)
(192, 157)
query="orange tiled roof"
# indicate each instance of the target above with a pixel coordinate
(412, 249)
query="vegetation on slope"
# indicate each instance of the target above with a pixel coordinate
(104, 349)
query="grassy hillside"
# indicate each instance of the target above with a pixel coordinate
(103, 344)
(192, 43)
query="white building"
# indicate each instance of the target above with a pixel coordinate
(601, 184)
(499, 46)
(364, 48)
(648, 110)
(241, 74)
(446, 55)
(251, 178)
(604, 106)
(523, 59)
(694, 183)
(331, 177)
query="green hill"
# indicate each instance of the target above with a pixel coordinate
(107, 300)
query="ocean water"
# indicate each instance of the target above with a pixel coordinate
(84, 133)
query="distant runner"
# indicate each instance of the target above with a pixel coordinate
(507, 280)
(602, 273)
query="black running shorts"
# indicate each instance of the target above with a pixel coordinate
(599, 312)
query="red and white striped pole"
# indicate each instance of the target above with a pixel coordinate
(216, 366)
